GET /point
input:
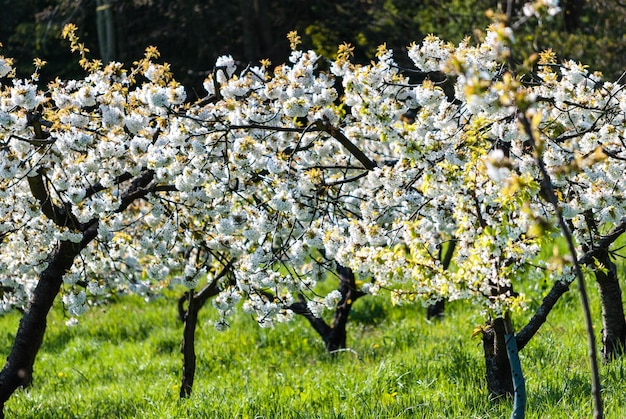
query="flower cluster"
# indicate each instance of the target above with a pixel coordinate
(279, 174)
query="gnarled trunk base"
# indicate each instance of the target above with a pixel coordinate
(498, 370)
(613, 321)
(334, 335)
(435, 310)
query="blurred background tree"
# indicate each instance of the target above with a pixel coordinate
(191, 34)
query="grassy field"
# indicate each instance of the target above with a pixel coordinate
(123, 361)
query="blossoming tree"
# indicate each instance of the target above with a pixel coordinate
(125, 187)
(279, 176)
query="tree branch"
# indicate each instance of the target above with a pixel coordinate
(560, 287)
(318, 324)
(211, 289)
(61, 216)
(141, 186)
(345, 141)
(97, 187)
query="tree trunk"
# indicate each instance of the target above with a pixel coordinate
(257, 38)
(572, 10)
(188, 348)
(334, 335)
(18, 369)
(498, 369)
(613, 321)
(437, 308)
(105, 25)
(250, 40)
(195, 301)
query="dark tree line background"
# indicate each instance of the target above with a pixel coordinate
(191, 34)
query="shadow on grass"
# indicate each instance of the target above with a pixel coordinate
(368, 311)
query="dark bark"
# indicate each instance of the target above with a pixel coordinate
(18, 369)
(61, 216)
(195, 301)
(572, 11)
(498, 370)
(541, 315)
(437, 309)
(613, 321)
(560, 287)
(257, 36)
(334, 335)
(188, 345)
(338, 135)
(336, 339)
(319, 325)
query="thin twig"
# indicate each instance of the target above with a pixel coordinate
(548, 189)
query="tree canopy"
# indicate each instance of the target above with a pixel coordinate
(277, 175)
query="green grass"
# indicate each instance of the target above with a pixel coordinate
(123, 361)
